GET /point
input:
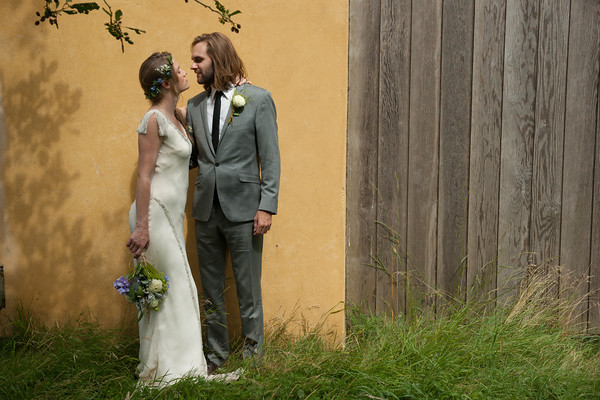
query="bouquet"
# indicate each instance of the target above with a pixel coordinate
(144, 285)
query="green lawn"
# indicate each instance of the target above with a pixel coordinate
(526, 351)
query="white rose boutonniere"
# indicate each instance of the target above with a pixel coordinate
(238, 102)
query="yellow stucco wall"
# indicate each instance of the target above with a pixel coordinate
(71, 103)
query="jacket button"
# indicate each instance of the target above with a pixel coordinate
(216, 164)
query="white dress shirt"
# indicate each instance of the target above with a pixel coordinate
(225, 105)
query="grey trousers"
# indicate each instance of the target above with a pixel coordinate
(213, 238)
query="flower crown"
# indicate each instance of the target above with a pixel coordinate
(165, 72)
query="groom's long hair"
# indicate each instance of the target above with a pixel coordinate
(228, 67)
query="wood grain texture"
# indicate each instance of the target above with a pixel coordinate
(518, 125)
(363, 114)
(2, 289)
(394, 97)
(455, 120)
(486, 126)
(580, 137)
(424, 147)
(493, 100)
(594, 300)
(546, 194)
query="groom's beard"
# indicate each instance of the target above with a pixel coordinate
(207, 78)
(206, 82)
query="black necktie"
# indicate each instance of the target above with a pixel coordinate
(216, 119)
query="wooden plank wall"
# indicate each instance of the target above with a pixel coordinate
(473, 147)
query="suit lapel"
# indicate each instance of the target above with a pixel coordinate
(205, 136)
(229, 111)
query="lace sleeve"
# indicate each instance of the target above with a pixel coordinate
(160, 118)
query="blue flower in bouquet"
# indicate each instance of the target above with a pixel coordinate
(122, 285)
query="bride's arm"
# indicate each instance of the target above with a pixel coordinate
(181, 115)
(148, 145)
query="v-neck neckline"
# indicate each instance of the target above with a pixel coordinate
(183, 134)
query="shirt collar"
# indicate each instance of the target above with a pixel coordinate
(228, 93)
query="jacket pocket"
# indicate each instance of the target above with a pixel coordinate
(247, 178)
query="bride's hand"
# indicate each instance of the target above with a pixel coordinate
(138, 241)
(241, 81)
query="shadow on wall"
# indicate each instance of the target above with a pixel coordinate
(50, 258)
(42, 239)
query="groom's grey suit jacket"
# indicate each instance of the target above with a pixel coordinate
(246, 166)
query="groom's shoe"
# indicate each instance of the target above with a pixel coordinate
(253, 352)
(211, 367)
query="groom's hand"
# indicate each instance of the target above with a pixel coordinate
(262, 222)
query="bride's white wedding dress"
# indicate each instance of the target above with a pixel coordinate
(170, 338)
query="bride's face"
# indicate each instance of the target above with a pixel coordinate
(182, 83)
(202, 64)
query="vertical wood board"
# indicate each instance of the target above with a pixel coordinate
(363, 112)
(594, 301)
(455, 119)
(546, 194)
(486, 125)
(580, 137)
(394, 96)
(518, 124)
(424, 147)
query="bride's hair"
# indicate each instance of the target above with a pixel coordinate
(228, 67)
(152, 69)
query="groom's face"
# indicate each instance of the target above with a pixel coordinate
(202, 64)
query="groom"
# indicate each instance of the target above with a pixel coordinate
(236, 189)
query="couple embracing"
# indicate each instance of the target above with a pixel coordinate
(229, 131)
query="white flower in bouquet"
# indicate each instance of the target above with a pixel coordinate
(238, 101)
(153, 303)
(155, 286)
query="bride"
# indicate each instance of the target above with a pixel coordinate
(170, 338)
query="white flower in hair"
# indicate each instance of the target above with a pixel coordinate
(165, 70)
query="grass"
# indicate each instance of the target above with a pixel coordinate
(529, 350)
